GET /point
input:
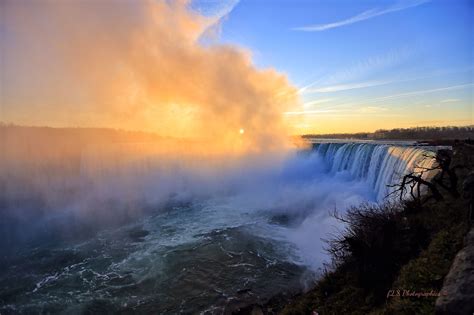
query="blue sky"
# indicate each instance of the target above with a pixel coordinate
(364, 65)
(357, 65)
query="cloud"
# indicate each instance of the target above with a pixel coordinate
(358, 70)
(451, 122)
(214, 9)
(362, 16)
(309, 89)
(420, 92)
(450, 100)
(137, 65)
(372, 109)
(360, 108)
(311, 112)
(340, 112)
(216, 12)
(400, 95)
(345, 87)
(317, 102)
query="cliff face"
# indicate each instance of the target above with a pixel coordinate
(428, 253)
(458, 285)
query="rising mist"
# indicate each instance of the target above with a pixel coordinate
(138, 65)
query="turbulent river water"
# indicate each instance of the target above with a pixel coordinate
(218, 242)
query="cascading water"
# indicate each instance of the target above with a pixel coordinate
(379, 165)
(170, 235)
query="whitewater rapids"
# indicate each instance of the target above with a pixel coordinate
(190, 239)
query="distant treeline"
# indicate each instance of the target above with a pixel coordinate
(415, 133)
(77, 135)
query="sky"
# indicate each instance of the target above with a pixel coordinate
(365, 65)
(214, 67)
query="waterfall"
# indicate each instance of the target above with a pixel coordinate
(379, 165)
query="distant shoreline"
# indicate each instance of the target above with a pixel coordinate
(431, 135)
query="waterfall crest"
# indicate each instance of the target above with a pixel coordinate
(379, 165)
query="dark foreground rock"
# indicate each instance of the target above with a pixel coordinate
(459, 283)
(419, 247)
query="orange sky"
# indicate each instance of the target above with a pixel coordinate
(137, 67)
(157, 66)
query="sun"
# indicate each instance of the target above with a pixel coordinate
(241, 131)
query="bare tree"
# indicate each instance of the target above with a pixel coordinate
(446, 179)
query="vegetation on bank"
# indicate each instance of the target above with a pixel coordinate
(389, 253)
(415, 133)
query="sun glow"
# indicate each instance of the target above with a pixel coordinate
(175, 87)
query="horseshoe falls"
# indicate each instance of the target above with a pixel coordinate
(379, 166)
(147, 234)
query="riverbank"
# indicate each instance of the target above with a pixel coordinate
(391, 259)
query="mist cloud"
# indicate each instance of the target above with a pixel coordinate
(136, 65)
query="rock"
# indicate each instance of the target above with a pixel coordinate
(468, 192)
(458, 287)
(138, 234)
(468, 185)
(256, 310)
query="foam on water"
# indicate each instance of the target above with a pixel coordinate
(229, 234)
